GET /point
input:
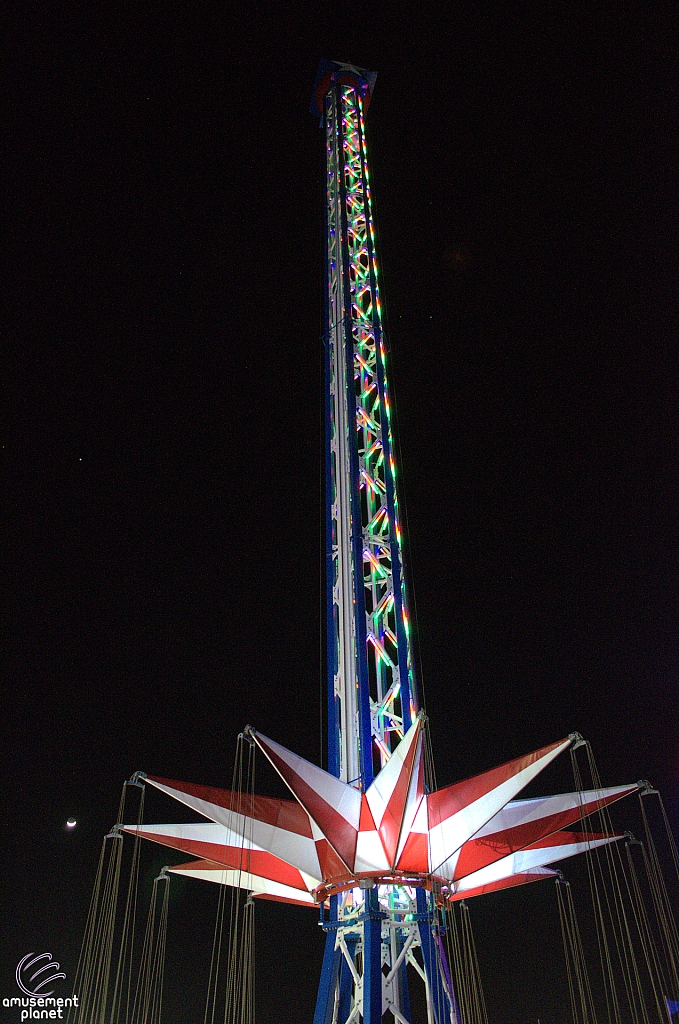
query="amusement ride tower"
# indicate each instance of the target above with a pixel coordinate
(372, 697)
(367, 842)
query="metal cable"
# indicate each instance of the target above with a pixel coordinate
(82, 968)
(646, 938)
(92, 973)
(456, 960)
(568, 955)
(583, 975)
(663, 909)
(125, 957)
(576, 964)
(610, 992)
(623, 936)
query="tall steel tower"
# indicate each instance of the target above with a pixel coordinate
(372, 696)
(367, 843)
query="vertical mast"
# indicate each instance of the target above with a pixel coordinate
(371, 698)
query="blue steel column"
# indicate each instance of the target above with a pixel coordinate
(365, 586)
(437, 993)
(346, 982)
(325, 1000)
(372, 958)
(363, 532)
(404, 993)
(331, 651)
(365, 729)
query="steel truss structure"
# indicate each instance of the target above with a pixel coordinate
(366, 842)
(372, 936)
(372, 698)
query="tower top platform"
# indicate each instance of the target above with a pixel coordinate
(330, 71)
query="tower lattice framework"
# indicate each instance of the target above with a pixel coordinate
(368, 845)
(375, 932)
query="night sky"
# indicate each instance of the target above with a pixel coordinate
(163, 445)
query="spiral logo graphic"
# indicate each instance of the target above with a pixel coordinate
(32, 970)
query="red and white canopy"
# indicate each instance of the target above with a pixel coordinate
(467, 839)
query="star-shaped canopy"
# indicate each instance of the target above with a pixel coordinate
(464, 840)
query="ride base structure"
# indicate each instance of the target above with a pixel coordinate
(370, 844)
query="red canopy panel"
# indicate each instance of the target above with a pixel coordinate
(536, 875)
(239, 858)
(286, 814)
(256, 884)
(334, 806)
(534, 820)
(446, 802)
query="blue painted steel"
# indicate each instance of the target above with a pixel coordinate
(445, 972)
(403, 990)
(364, 719)
(368, 645)
(331, 649)
(437, 993)
(325, 1000)
(372, 959)
(346, 983)
(329, 70)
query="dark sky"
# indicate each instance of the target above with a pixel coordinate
(163, 421)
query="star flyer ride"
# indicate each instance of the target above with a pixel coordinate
(367, 843)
